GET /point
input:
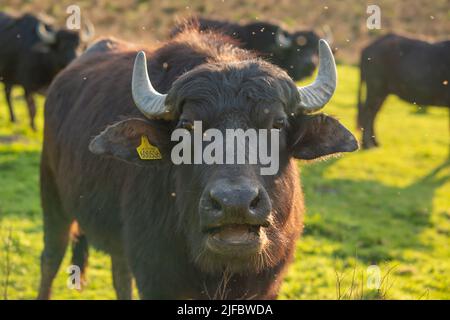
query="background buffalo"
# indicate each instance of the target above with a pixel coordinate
(414, 70)
(294, 52)
(31, 54)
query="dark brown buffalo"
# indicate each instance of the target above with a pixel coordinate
(31, 54)
(414, 70)
(182, 231)
(295, 52)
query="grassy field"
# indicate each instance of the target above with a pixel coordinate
(388, 207)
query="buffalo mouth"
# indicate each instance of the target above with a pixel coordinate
(236, 238)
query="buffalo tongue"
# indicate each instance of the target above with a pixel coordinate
(235, 234)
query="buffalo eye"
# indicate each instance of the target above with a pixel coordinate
(185, 124)
(279, 123)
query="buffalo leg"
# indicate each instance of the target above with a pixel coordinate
(372, 106)
(8, 89)
(80, 254)
(56, 234)
(121, 277)
(31, 108)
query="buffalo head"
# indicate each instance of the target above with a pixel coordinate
(63, 44)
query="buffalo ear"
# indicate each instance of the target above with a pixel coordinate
(122, 139)
(320, 135)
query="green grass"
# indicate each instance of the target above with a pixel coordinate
(389, 207)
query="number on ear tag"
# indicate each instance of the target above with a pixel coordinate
(147, 151)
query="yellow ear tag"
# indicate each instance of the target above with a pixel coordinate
(148, 151)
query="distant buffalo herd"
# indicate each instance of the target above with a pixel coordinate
(191, 231)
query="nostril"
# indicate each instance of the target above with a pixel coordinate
(255, 202)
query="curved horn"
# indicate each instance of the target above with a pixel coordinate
(88, 31)
(149, 101)
(282, 40)
(46, 36)
(314, 96)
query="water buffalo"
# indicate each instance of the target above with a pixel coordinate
(31, 54)
(182, 231)
(414, 70)
(294, 52)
